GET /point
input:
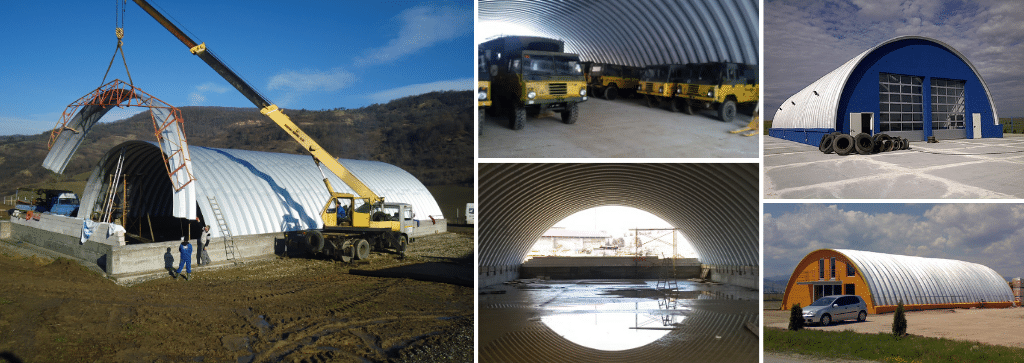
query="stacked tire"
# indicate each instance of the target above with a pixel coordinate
(863, 144)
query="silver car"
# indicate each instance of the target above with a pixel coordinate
(836, 308)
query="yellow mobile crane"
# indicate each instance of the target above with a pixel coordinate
(352, 223)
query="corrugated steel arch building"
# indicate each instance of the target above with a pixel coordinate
(826, 104)
(883, 280)
(259, 192)
(714, 205)
(639, 33)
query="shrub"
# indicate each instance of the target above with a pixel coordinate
(899, 321)
(796, 317)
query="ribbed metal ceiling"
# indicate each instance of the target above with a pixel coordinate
(714, 205)
(638, 33)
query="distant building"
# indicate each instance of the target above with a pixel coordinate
(565, 242)
(883, 280)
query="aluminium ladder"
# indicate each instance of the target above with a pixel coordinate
(230, 252)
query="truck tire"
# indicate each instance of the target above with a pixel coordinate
(674, 104)
(863, 144)
(380, 217)
(480, 130)
(362, 249)
(569, 116)
(826, 144)
(727, 110)
(843, 144)
(611, 93)
(403, 244)
(651, 101)
(517, 117)
(687, 107)
(314, 241)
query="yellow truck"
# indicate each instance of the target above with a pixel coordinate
(608, 81)
(483, 90)
(532, 74)
(720, 86)
(658, 83)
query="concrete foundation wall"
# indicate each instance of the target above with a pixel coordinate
(744, 276)
(428, 227)
(493, 275)
(91, 251)
(70, 226)
(152, 257)
(570, 268)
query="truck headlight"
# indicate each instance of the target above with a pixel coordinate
(679, 89)
(482, 96)
(661, 89)
(531, 95)
(583, 92)
(711, 93)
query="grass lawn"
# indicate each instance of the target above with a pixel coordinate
(885, 347)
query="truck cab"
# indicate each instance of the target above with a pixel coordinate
(483, 90)
(658, 83)
(62, 202)
(719, 86)
(608, 81)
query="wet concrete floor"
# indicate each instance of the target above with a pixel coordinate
(617, 321)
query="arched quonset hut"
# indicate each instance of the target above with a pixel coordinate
(259, 192)
(910, 86)
(883, 280)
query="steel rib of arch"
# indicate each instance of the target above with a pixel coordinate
(639, 33)
(919, 280)
(714, 205)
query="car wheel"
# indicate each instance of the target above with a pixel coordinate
(826, 320)
(862, 316)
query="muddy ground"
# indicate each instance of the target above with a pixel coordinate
(991, 326)
(282, 309)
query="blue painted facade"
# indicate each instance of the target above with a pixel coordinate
(912, 57)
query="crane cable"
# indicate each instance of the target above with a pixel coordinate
(119, 32)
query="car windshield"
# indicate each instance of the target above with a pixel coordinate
(551, 65)
(825, 301)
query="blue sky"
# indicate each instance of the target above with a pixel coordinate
(312, 55)
(991, 234)
(806, 39)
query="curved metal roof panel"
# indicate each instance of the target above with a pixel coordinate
(816, 105)
(714, 205)
(920, 280)
(259, 192)
(639, 33)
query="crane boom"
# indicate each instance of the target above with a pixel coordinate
(266, 108)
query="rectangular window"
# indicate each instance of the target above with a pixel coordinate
(900, 102)
(832, 275)
(821, 269)
(947, 104)
(850, 290)
(850, 270)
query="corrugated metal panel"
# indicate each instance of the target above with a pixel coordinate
(639, 33)
(920, 280)
(259, 192)
(714, 205)
(179, 162)
(71, 137)
(816, 105)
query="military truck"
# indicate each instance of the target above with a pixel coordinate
(720, 86)
(658, 83)
(483, 90)
(608, 81)
(531, 75)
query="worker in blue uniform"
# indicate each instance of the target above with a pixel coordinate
(186, 260)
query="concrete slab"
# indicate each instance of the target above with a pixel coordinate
(622, 128)
(950, 169)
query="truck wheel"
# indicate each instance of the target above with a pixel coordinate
(687, 107)
(362, 249)
(480, 130)
(380, 217)
(651, 101)
(314, 241)
(611, 93)
(569, 116)
(403, 244)
(727, 111)
(675, 104)
(517, 117)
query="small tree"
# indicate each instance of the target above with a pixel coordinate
(899, 321)
(796, 317)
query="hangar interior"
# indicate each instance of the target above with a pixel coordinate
(884, 280)
(627, 33)
(714, 205)
(910, 86)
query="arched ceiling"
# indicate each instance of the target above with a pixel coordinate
(634, 33)
(714, 205)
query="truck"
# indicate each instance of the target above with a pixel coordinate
(658, 83)
(483, 90)
(531, 75)
(54, 201)
(719, 86)
(353, 224)
(608, 80)
(470, 213)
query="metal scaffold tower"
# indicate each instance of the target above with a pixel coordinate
(666, 279)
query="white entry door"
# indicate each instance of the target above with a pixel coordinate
(976, 118)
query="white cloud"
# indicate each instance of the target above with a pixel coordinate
(421, 27)
(198, 96)
(416, 89)
(312, 80)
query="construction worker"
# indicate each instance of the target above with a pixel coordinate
(202, 242)
(186, 259)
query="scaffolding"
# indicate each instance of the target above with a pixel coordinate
(666, 280)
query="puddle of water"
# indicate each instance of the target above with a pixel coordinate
(612, 331)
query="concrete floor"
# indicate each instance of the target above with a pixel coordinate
(950, 169)
(617, 321)
(623, 128)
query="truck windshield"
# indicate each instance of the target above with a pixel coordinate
(655, 74)
(551, 65)
(67, 201)
(707, 74)
(481, 69)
